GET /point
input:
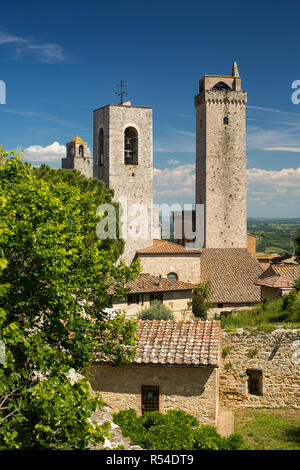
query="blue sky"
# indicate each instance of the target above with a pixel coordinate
(60, 60)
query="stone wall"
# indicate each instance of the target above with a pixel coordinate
(132, 183)
(177, 301)
(194, 390)
(276, 354)
(187, 267)
(221, 165)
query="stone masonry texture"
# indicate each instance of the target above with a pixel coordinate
(276, 354)
(133, 182)
(194, 390)
(221, 162)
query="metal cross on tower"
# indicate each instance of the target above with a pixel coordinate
(122, 91)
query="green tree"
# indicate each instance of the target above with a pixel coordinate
(54, 277)
(156, 311)
(297, 245)
(174, 430)
(200, 302)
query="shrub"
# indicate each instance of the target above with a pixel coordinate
(200, 302)
(226, 351)
(252, 353)
(156, 311)
(175, 430)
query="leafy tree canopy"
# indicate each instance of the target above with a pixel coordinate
(54, 277)
(175, 430)
(200, 302)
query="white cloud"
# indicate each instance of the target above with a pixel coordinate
(47, 52)
(50, 154)
(173, 162)
(285, 178)
(191, 134)
(272, 110)
(282, 149)
(174, 181)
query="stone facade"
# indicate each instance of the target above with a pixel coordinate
(186, 266)
(221, 159)
(177, 301)
(276, 355)
(77, 158)
(132, 182)
(192, 389)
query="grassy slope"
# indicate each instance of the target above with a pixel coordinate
(264, 429)
(264, 317)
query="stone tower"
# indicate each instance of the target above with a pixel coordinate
(123, 160)
(221, 159)
(77, 157)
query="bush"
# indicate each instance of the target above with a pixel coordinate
(175, 430)
(200, 302)
(156, 311)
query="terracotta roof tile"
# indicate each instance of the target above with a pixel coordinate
(172, 342)
(148, 283)
(164, 247)
(276, 281)
(192, 343)
(233, 273)
(280, 276)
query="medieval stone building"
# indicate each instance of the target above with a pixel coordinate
(77, 157)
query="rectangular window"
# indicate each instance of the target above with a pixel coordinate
(255, 381)
(150, 398)
(156, 296)
(133, 299)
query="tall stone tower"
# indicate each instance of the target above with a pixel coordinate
(123, 160)
(221, 159)
(77, 157)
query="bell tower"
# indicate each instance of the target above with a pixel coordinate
(77, 157)
(221, 159)
(123, 160)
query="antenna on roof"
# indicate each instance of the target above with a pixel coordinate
(122, 91)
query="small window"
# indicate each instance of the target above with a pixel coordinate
(255, 381)
(156, 296)
(130, 146)
(101, 147)
(81, 150)
(133, 299)
(172, 276)
(226, 120)
(150, 398)
(221, 86)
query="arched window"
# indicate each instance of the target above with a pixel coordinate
(221, 86)
(81, 150)
(172, 276)
(101, 147)
(130, 146)
(226, 120)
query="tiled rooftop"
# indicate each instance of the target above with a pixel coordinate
(280, 276)
(233, 273)
(147, 283)
(192, 343)
(165, 247)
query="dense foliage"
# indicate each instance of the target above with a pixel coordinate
(297, 245)
(54, 276)
(156, 311)
(175, 430)
(267, 315)
(200, 302)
